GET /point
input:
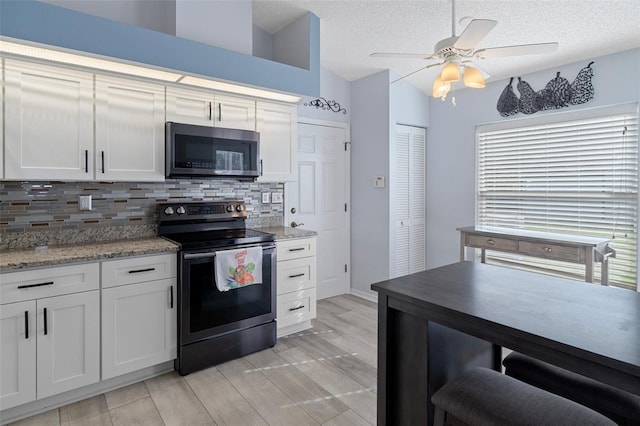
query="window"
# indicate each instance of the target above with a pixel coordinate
(570, 173)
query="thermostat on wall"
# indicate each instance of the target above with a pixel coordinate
(378, 182)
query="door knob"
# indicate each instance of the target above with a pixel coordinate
(295, 225)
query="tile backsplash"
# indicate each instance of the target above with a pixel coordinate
(46, 213)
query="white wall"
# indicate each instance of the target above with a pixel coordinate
(332, 88)
(157, 15)
(451, 142)
(226, 24)
(369, 158)
(291, 43)
(262, 43)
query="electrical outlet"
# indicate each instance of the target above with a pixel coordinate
(378, 182)
(84, 202)
(265, 198)
(276, 197)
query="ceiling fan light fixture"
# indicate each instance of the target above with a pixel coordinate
(473, 78)
(440, 88)
(450, 73)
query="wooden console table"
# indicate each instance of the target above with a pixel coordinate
(563, 247)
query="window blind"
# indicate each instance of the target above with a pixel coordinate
(577, 176)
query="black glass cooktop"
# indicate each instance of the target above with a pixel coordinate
(219, 238)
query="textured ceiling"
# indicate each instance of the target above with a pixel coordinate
(350, 30)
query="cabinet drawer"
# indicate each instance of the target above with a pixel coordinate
(48, 282)
(296, 274)
(296, 307)
(138, 269)
(491, 243)
(296, 249)
(551, 251)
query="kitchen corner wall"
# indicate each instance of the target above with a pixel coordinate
(46, 213)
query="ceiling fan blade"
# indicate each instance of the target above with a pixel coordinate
(474, 33)
(404, 55)
(416, 71)
(523, 49)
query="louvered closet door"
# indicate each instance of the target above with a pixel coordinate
(408, 206)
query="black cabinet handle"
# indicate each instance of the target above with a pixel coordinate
(102, 155)
(297, 249)
(137, 271)
(219, 111)
(86, 161)
(26, 324)
(45, 321)
(35, 285)
(261, 167)
(295, 309)
(171, 289)
(210, 113)
(296, 275)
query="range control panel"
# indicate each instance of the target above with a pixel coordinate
(202, 210)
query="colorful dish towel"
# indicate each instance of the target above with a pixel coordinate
(238, 268)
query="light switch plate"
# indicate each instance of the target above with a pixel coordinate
(84, 202)
(276, 197)
(265, 198)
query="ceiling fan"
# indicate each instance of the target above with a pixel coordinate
(458, 52)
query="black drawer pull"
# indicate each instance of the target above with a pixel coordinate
(297, 249)
(137, 271)
(171, 289)
(296, 275)
(35, 285)
(45, 321)
(26, 324)
(295, 309)
(86, 161)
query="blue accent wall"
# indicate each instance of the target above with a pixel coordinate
(51, 25)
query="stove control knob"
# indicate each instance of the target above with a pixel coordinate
(239, 208)
(168, 211)
(230, 208)
(181, 210)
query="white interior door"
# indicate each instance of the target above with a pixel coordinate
(318, 201)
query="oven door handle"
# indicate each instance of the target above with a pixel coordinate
(188, 256)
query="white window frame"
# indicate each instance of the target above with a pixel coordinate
(550, 267)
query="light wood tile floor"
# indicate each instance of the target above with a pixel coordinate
(323, 376)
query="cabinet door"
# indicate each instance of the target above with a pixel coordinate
(68, 355)
(48, 122)
(138, 326)
(235, 113)
(190, 106)
(17, 354)
(129, 130)
(278, 141)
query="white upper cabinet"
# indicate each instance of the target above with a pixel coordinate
(48, 122)
(129, 130)
(235, 113)
(277, 124)
(209, 109)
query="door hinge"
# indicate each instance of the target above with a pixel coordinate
(345, 144)
(345, 268)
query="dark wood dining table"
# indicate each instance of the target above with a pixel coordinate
(435, 324)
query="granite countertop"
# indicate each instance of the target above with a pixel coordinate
(76, 253)
(286, 233)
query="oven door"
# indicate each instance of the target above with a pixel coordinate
(205, 312)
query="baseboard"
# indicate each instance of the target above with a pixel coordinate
(29, 409)
(372, 297)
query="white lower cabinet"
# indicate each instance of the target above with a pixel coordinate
(50, 338)
(296, 286)
(139, 323)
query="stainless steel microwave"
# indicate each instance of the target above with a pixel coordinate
(207, 152)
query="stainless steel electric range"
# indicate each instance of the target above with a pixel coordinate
(222, 313)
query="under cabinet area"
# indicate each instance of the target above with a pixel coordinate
(50, 332)
(139, 308)
(208, 109)
(296, 284)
